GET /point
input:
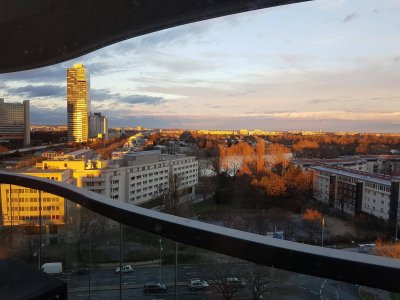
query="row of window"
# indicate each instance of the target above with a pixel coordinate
(32, 199)
(29, 218)
(15, 190)
(148, 167)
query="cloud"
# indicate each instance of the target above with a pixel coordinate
(106, 95)
(52, 74)
(42, 115)
(321, 101)
(164, 38)
(350, 17)
(332, 115)
(244, 93)
(142, 99)
(33, 91)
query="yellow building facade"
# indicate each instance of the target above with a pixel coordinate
(78, 103)
(21, 206)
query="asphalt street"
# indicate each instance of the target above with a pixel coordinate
(105, 283)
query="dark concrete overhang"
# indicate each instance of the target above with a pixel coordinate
(38, 33)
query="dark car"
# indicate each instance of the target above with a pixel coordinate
(155, 288)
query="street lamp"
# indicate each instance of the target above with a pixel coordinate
(322, 233)
(39, 254)
(161, 249)
(397, 226)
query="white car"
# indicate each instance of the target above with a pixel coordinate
(233, 281)
(197, 284)
(125, 269)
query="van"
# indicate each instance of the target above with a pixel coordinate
(52, 268)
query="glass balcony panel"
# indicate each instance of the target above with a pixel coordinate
(91, 248)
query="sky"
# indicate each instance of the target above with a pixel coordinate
(329, 64)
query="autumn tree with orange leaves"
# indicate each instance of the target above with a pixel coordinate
(272, 184)
(312, 223)
(388, 249)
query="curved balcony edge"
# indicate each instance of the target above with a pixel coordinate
(373, 271)
(43, 33)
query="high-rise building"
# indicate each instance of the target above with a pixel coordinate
(15, 121)
(78, 103)
(98, 126)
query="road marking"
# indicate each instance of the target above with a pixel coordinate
(322, 287)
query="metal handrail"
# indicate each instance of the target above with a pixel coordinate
(373, 271)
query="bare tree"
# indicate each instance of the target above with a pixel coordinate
(219, 273)
(171, 198)
(312, 223)
(289, 228)
(257, 278)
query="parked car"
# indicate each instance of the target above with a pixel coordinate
(52, 268)
(197, 284)
(125, 269)
(233, 281)
(154, 288)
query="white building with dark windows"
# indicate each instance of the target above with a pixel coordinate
(355, 192)
(135, 178)
(149, 173)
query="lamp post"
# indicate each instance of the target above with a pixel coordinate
(161, 249)
(322, 232)
(397, 226)
(39, 254)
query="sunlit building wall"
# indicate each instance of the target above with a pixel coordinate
(78, 103)
(21, 206)
(15, 121)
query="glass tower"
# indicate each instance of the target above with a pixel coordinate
(78, 103)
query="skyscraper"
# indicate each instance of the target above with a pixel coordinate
(15, 122)
(98, 126)
(78, 103)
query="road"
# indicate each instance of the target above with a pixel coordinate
(105, 285)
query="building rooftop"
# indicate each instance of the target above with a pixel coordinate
(380, 179)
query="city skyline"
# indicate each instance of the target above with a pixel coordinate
(329, 64)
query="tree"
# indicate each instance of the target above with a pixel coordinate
(272, 184)
(257, 278)
(388, 249)
(306, 149)
(172, 200)
(277, 157)
(312, 223)
(260, 156)
(219, 272)
(3, 149)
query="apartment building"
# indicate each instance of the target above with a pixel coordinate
(352, 163)
(15, 122)
(151, 172)
(21, 206)
(356, 192)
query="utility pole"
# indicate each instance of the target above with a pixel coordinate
(161, 249)
(322, 233)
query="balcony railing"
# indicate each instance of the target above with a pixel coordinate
(357, 268)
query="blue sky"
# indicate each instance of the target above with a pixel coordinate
(333, 64)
